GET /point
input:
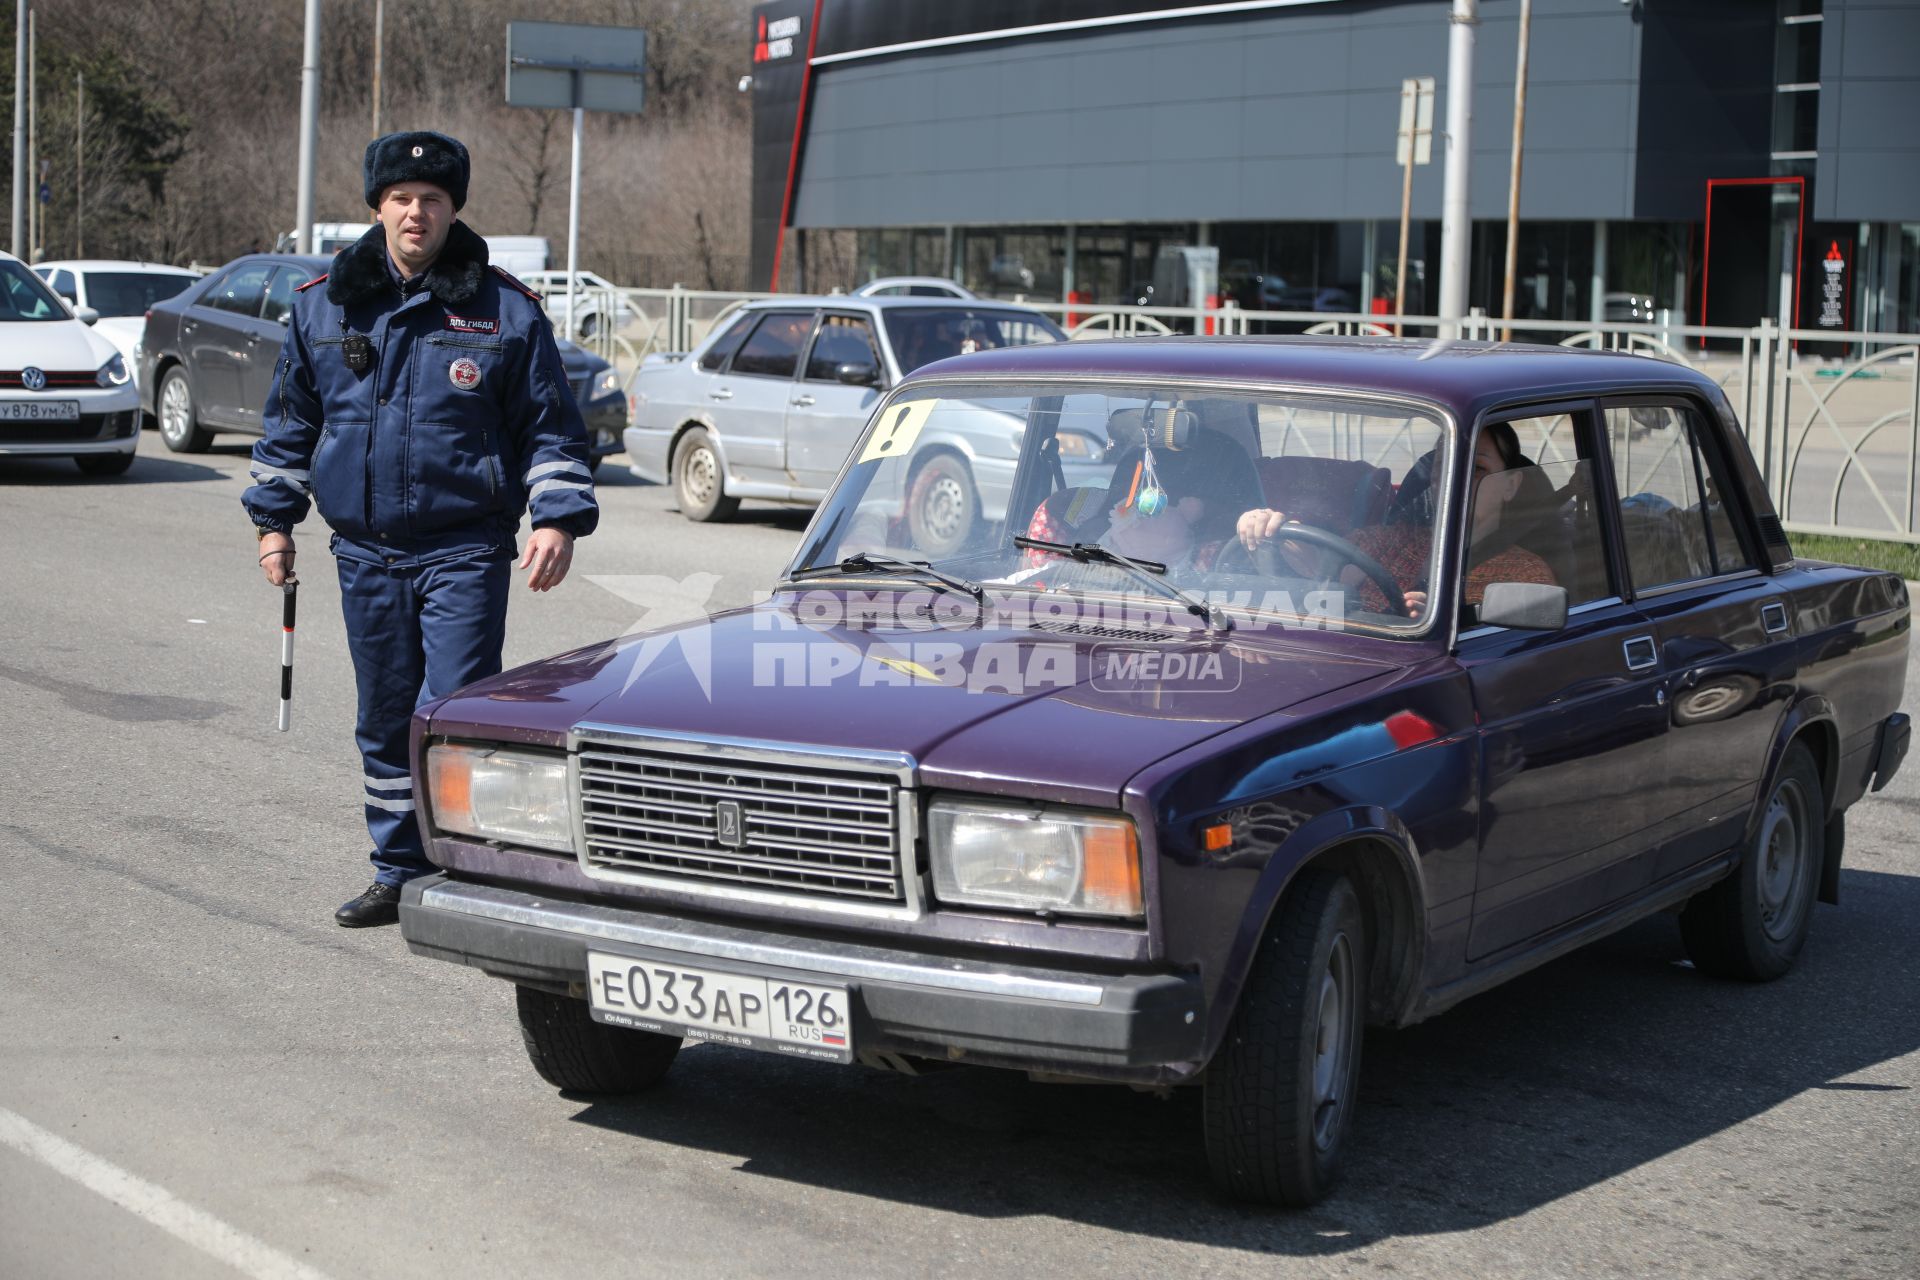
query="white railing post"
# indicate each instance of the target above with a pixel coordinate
(1913, 442)
(1765, 338)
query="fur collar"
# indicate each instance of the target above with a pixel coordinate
(359, 272)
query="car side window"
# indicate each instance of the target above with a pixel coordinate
(726, 344)
(1536, 519)
(243, 291)
(773, 349)
(842, 340)
(63, 284)
(1673, 513)
(280, 293)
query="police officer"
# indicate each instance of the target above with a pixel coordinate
(420, 404)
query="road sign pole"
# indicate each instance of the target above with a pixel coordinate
(1400, 273)
(573, 210)
(303, 237)
(1513, 179)
(19, 129)
(1456, 229)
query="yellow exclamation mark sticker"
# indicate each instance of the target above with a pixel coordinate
(897, 429)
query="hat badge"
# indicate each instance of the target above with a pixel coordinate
(419, 151)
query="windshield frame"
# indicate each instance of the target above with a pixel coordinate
(1445, 539)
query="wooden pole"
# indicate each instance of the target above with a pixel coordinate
(36, 217)
(1513, 180)
(79, 164)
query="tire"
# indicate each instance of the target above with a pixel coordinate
(180, 428)
(1752, 924)
(699, 480)
(589, 325)
(942, 506)
(573, 1052)
(1280, 1093)
(103, 464)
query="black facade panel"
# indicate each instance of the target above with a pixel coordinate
(1869, 165)
(778, 81)
(1706, 102)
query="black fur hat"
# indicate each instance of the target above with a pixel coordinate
(419, 156)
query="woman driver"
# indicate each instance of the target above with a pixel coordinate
(1404, 550)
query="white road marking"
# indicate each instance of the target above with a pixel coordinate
(154, 1204)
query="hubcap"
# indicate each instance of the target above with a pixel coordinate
(697, 478)
(945, 509)
(175, 409)
(1784, 865)
(1333, 1043)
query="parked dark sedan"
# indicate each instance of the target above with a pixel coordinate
(1375, 674)
(207, 360)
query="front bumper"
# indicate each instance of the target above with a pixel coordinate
(606, 419)
(100, 429)
(1134, 1027)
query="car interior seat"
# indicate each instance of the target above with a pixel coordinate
(1336, 494)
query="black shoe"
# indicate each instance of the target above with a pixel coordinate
(380, 904)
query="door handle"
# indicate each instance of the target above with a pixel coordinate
(1773, 616)
(721, 394)
(802, 401)
(188, 326)
(1641, 653)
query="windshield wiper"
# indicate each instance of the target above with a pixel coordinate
(1150, 572)
(861, 561)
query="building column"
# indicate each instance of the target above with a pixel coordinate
(1066, 270)
(1597, 307)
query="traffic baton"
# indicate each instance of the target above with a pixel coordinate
(290, 592)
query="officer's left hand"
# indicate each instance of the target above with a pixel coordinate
(548, 555)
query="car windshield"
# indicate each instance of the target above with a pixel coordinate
(1187, 483)
(131, 293)
(25, 296)
(921, 335)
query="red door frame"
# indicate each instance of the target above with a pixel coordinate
(1799, 236)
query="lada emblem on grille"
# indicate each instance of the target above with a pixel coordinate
(729, 824)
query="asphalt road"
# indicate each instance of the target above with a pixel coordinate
(201, 1074)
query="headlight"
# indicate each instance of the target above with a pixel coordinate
(1076, 446)
(113, 373)
(1035, 859)
(519, 797)
(608, 381)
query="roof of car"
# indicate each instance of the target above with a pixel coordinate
(882, 303)
(1465, 378)
(115, 264)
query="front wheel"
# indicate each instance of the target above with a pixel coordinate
(700, 480)
(1752, 924)
(180, 428)
(1279, 1095)
(571, 1051)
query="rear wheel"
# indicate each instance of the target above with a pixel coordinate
(941, 504)
(1752, 924)
(180, 428)
(571, 1051)
(1281, 1091)
(700, 480)
(104, 464)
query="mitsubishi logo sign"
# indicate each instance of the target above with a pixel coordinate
(774, 40)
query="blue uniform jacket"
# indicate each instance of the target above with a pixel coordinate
(462, 420)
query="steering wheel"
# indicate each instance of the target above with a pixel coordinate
(1265, 559)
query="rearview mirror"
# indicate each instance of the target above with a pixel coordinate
(857, 374)
(1532, 606)
(85, 315)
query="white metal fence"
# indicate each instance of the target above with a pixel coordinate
(1837, 438)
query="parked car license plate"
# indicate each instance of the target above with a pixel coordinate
(771, 1014)
(40, 411)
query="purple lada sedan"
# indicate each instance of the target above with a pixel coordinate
(1370, 676)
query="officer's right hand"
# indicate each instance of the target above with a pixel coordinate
(276, 557)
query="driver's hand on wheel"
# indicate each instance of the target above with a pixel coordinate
(1256, 526)
(1416, 602)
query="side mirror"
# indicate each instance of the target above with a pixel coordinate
(857, 374)
(1531, 606)
(85, 315)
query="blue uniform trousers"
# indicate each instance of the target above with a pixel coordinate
(419, 626)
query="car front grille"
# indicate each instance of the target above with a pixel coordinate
(89, 427)
(820, 832)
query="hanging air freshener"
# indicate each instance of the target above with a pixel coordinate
(1153, 499)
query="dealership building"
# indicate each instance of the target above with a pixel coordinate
(1714, 159)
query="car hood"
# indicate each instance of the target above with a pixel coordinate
(1020, 711)
(65, 345)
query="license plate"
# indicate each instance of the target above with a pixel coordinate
(774, 1015)
(40, 411)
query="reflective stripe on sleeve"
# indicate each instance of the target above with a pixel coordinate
(265, 474)
(550, 468)
(545, 485)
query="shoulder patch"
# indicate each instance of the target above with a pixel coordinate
(514, 283)
(319, 279)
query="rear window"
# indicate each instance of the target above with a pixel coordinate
(726, 344)
(131, 293)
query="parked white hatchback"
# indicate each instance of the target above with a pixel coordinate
(64, 390)
(114, 297)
